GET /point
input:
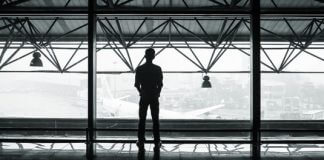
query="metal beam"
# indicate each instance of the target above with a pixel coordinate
(67, 33)
(76, 63)
(113, 31)
(150, 32)
(14, 3)
(124, 43)
(304, 47)
(73, 54)
(227, 44)
(29, 53)
(169, 72)
(6, 26)
(7, 44)
(137, 30)
(269, 59)
(43, 11)
(92, 63)
(123, 3)
(12, 55)
(193, 62)
(192, 52)
(291, 12)
(255, 80)
(192, 33)
(246, 53)
(32, 41)
(116, 49)
(204, 31)
(174, 11)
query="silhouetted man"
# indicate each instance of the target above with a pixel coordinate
(148, 81)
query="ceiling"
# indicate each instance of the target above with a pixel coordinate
(162, 28)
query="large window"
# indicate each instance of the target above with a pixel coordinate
(292, 79)
(292, 85)
(292, 96)
(51, 93)
(187, 49)
(43, 95)
(183, 63)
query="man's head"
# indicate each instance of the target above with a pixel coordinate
(149, 54)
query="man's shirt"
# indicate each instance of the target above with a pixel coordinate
(149, 78)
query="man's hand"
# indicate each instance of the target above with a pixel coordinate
(139, 89)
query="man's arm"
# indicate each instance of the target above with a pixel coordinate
(137, 83)
(160, 82)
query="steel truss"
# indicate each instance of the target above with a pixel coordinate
(10, 3)
(223, 42)
(115, 41)
(42, 44)
(310, 33)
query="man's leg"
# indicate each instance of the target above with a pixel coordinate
(143, 105)
(155, 118)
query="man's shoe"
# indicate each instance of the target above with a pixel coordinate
(157, 146)
(140, 145)
(141, 155)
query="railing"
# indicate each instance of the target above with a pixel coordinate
(186, 131)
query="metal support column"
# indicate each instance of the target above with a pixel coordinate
(255, 79)
(91, 135)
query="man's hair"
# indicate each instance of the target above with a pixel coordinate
(150, 53)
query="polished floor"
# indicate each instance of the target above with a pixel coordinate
(128, 151)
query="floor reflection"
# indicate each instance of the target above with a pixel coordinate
(129, 151)
(141, 155)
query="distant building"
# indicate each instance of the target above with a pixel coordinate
(313, 115)
(272, 95)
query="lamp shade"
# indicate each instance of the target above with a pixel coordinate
(36, 61)
(206, 83)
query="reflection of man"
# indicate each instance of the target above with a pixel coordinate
(148, 81)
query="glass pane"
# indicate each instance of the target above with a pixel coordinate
(42, 85)
(185, 48)
(43, 100)
(292, 96)
(42, 95)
